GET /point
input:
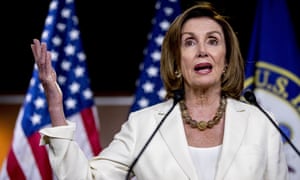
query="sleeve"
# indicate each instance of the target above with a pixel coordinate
(64, 154)
(62, 132)
(277, 168)
(69, 161)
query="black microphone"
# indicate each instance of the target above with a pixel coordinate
(178, 95)
(250, 97)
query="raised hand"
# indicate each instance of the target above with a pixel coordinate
(47, 76)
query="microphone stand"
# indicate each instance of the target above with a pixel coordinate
(250, 97)
(178, 95)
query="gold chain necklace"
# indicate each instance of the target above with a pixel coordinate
(203, 125)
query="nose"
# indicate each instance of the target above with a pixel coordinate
(202, 51)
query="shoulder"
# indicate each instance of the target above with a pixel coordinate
(160, 107)
(145, 120)
(241, 105)
(245, 109)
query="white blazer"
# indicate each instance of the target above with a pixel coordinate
(252, 148)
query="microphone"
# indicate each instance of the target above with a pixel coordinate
(250, 97)
(178, 95)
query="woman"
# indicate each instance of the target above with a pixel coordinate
(210, 134)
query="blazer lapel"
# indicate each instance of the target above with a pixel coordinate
(235, 127)
(173, 134)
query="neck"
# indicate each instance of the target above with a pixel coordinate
(204, 98)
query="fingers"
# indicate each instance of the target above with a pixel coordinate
(48, 66)
(41, 56)
(42, 59)
(36, 49)
(39, 51)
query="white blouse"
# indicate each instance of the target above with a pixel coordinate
(205, 160)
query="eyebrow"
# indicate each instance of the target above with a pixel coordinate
(209, 33)
(215, 32)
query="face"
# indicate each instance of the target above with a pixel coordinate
(202, 53)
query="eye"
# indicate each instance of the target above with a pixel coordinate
(213, 41)
(189, 42)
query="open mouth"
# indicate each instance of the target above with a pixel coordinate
(203, 66)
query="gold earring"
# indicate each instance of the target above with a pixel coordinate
(225, 69)
(177, 74)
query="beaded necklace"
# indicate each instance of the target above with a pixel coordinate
(203, 125)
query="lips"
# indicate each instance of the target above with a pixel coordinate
(203, 67)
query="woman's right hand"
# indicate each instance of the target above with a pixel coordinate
(47, 76)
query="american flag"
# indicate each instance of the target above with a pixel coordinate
(150, 88)
(26, 159)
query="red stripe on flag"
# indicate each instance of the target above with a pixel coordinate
(14, 170)
(40, 156)
(91, 130)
